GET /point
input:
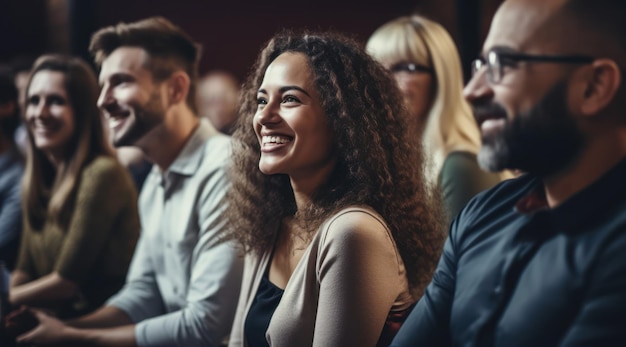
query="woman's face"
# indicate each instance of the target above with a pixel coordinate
(417, 84)
(49, 115)
(290, 123)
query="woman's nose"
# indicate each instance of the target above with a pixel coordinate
(269, 114)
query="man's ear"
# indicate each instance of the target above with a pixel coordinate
(178, 87)
(603, 79)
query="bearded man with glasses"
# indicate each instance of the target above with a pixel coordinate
(540, 260)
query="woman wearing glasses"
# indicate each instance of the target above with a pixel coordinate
(422, 57)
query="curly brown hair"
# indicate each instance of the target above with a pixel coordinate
(376, 163)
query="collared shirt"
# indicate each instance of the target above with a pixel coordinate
(516, 273)
(11, 171)
(184, 280)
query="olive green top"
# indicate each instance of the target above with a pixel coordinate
(95, 249)
(461, 179)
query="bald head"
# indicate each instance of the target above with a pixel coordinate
(587, 27)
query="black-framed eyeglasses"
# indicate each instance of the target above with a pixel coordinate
(410, 68)
(496, 61)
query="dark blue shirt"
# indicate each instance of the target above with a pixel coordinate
(516, 273)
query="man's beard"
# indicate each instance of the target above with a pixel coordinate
(541, 141)
(146, 117)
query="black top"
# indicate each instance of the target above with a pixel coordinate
(516, 273)
(267, 299)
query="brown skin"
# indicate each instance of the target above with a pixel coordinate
(593, 90)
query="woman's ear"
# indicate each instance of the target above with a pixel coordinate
(178, 87)
(600, 86)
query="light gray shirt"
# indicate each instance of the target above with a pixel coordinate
(183, 283)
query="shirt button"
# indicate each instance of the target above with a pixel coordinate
(497, 290)
(169, 245)
(175, 290)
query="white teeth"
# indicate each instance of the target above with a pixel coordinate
(275, 139)
(113, 122)
(42, 128)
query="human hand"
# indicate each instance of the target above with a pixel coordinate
(19, 321)
(49, 331)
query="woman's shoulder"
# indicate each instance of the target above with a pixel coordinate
(355, 222)
(103, 167)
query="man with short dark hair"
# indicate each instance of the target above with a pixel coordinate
(540, 260)
(183, 283)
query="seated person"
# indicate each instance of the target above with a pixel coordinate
(184, 280)
(422, 57)
(328, 199)
(539, 260)
(218, 100)
(81, 222)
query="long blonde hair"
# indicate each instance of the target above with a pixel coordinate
(48, 190)
(450, 125)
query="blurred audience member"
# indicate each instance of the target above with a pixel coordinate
(424, 61)
(184, 280)
(21, 70)
(218, 99)
(328, 199)
(11, 171)
(81, 219)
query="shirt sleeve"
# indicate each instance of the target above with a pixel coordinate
(359, 275)
(601, 320)
(140, 297)
(429, 322)
(10, 216)
(214, 284)
(461, 179)
(93, 218)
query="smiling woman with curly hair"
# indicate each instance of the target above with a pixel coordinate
(328, 199)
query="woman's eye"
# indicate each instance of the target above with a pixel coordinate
(290, 98)
(57, 100)
(261, 101)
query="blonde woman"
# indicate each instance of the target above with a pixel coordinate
(425, 64)
(80, 212)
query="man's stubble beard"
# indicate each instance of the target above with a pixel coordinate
(541, 141)
(146, 118)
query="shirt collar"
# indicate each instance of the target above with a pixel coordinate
(189, 159)
(587, 203)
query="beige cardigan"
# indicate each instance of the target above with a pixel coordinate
(349, 279)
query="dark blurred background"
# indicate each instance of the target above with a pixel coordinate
(231, 31)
